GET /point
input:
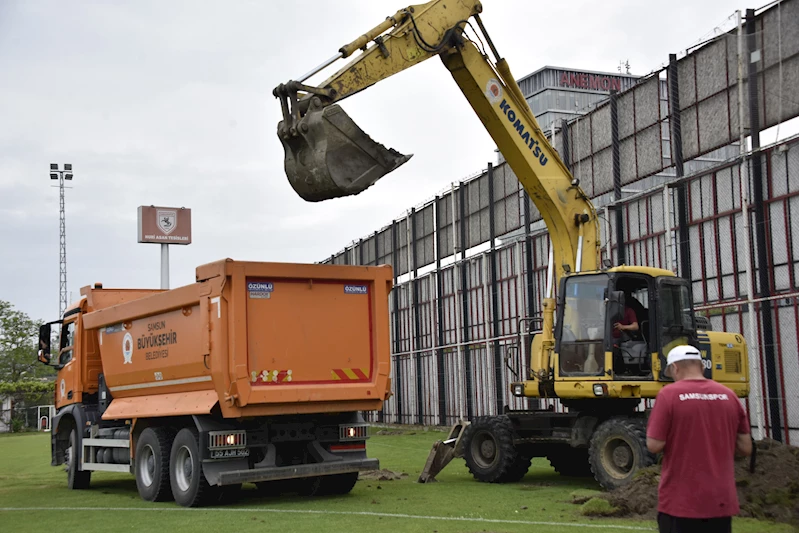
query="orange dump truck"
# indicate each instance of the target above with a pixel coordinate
(256, 373)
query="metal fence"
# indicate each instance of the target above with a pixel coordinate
(455, 330)
(471, 264)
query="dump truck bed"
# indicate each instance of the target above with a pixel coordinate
(255, 338)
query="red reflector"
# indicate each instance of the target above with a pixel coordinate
(339, 447)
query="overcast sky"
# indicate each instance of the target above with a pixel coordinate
(170, 103)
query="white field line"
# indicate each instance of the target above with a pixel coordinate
(342, 513)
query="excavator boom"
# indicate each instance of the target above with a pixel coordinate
(328, 156)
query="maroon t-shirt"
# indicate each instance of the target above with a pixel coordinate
(629, 318)
(699, 419)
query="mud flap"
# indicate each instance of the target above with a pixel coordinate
(442, 453)
(329, 156)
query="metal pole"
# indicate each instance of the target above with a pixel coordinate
(617, 206)
(669, 228)
(458, 338)
(676, 149)
(63, 248)
(397, 368)
(467, 367)
(442, 382)
(763, 263)
(498, 370)
(164, 266)
(564, 133)
(752, 344)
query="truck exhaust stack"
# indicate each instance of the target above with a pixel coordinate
(329, 156)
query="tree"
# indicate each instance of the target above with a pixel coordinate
(20, 371)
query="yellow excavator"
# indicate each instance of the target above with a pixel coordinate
(606, 332)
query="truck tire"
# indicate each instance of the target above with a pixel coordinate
(336, 484)
(189, 486)
(76, 479)
(489, 451)
(151, 464)
(228, 493)
(618, 451)
(570, 462)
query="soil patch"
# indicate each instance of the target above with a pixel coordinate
(382, 475)
(389, 432)
(771, 492)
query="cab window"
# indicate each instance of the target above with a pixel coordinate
(67, 341)
(581, 349)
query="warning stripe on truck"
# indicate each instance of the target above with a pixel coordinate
(349, 374)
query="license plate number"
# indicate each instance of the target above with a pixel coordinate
(226, 454)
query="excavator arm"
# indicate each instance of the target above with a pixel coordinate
(328, 156)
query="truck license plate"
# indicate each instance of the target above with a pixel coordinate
(226, 454)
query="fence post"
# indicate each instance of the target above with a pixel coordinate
(397, 345)
(465, 306)
(618, 207)
(764, 264)
(676, 150)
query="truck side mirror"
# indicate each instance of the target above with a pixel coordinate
(44, 343)
(616, 306)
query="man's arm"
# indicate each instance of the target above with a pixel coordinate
(743, 445)
(743, 440)
(656, 446)
(659, 423)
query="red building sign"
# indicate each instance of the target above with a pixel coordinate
(594, 82)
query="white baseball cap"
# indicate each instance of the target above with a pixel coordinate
(682, 353)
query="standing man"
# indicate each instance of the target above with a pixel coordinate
(700, 426)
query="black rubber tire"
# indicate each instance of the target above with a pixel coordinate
(272, 489)
(76, 479)
(189, 486)
(618, 451)
(228, 493)
(152, 455)
(489, 451)
(334, 485)
(570, 462)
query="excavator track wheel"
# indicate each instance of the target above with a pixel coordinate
(489, 451)
(618, 451)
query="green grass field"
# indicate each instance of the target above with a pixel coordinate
(34, 497)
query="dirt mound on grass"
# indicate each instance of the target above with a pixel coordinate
(771, 492)
(382, 475)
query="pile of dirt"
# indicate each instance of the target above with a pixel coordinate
(382, 475)
(771, 492)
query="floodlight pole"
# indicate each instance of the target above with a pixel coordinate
(60, 175)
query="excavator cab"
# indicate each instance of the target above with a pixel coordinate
(619, 324)
(326, 154)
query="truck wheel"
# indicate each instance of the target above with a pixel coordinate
(570, 462)
(76, 479)
(489, 451)
(151, 464)
(272, 489)
(189, 486)
(229, 493)
(341, 483)
(618, 451)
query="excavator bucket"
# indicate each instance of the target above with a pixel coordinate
(330, 156)
(442, 453)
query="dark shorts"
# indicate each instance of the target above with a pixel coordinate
(674, 524)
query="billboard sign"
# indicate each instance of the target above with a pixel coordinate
(164, 225)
